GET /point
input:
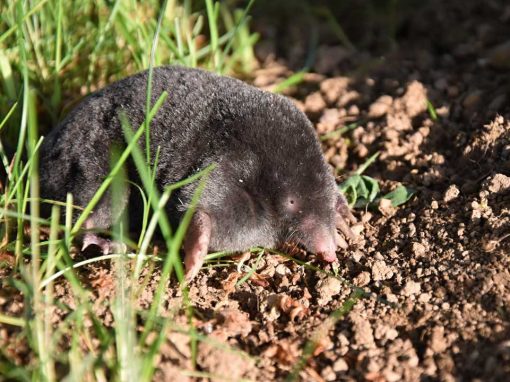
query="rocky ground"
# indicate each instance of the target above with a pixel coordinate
(425, 293)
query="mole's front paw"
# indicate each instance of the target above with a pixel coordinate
(344, 219)
(106, 246)
(196, 244)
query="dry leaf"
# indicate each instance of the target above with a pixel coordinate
(260, 280)
(229, 284)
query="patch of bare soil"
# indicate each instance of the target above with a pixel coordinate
(435, 272)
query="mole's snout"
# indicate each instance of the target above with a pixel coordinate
(325, 247)
(319, 239)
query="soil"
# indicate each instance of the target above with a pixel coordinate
(425, 293)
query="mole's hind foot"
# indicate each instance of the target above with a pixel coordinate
(344, 219)
(106, 246)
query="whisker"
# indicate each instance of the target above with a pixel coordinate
(291, 234)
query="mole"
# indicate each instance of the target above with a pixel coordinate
(270, 184)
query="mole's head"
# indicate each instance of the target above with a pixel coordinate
(271, 184)
(303, 194)
(276, 190)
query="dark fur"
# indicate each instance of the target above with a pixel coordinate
(266, 151)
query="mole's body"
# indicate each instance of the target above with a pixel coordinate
(270, 183)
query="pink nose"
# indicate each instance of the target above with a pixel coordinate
(321, 240)
(325, 247)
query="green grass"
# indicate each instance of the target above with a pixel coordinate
(362, 191)
(52, 53)
(68, 49)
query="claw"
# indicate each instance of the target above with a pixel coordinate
(343, 219)
(342, 225)
(340, 241)
(342, 208)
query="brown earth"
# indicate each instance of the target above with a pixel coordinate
(429, 281)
